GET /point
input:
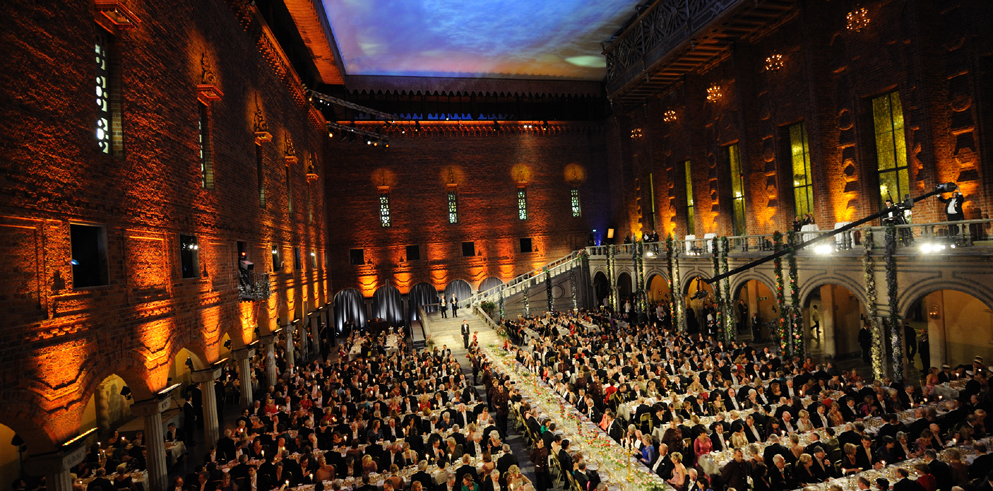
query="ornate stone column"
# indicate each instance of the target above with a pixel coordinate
(269, 342)
(244, 356)
(151, 411)
(288, 333)
(55, 467)
(206, 380)
(315, 333)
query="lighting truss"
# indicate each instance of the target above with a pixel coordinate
(336, 127)
(313, 94)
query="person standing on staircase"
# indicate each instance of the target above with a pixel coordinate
(465, 334)
(444, 308)
(455, 306)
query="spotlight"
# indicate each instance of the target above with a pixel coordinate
(227, 344)
(126, 392)
(74, 262)
(823, 249)
(189, 362)
(417, 126)
(932, 247)
(650, 254)
(17, 441)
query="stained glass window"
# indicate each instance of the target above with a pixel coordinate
(103, 94)
(384, 210)
(574, 202)
(690, 228)
(891, 147)
(522, 204)
(206, 160)
(803, 185)
(453, 207)
(738, 220)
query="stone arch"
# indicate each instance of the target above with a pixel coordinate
(652, 287)
(29, 421)
(421, 294)
(740, 280)
(851, 285)
(920, 289)
(689, 278)
(959, 323)
(461, 289)
(601, 287)
(625, 287)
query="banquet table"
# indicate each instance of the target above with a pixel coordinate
(174, 450)
(945, 391)
(617, 466)
(138, 478)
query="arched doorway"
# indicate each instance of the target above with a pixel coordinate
(699, 295)
(832, 318)
(459, 289)
(10, 456)
(349, 307)
(754, 303)
(109, 407)
(387, 304)
(657, 289)
(601, 288)
(422, 294)
(624, 288)
(489, 283)
(959, 326)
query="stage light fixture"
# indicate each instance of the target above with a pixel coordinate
(126, 392)
(189, 362)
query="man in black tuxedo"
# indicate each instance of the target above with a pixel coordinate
(422, 475)
(663, 464)
(718, 438)
(455, 306)
(735, 473)
(465, 334)
(189, 422)
(508, 459)
(780, 475)
(225, 447)
(953, 211)
(102, 481)
(466, 468)
(983, 462)
(906, 484)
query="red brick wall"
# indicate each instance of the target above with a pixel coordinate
(937, 57)
(486, 166)
(58, 342)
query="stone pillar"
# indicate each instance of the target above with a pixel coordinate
(151, 411)
(301, 328)
(752, 290)
(315, 332)
(289, 332)
(936, 328)
(827, 321)
(55, 466)
(206, 380)
(244, 357)
(270, 360)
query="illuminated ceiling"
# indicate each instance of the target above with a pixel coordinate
(510, 39)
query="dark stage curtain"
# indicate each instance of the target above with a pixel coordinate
(388, 305)
(422, 294)
(349, 306)
(491, 282)
(461, 289)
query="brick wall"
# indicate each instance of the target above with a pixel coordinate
(486, 167)
(936, 56)
(59, 342)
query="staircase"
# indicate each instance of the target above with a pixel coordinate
(526, 280)
(448, 331)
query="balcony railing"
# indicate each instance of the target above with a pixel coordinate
(253, 286)
(933, 235)
(526, 280)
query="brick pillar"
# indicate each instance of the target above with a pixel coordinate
(206, 378)
(244, 356)
(151, 411)
(55, 467)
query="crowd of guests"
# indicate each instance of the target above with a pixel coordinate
(677, 398)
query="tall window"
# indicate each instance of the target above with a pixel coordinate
(206, 159)
(574, 202)
(89, 255)
(891, 147)
(522, 203)
(803, 185)
(384, 210)
(289, 192)
(103, 91)
(189, 255)
(690, 222)
(453, 207)
(738, 220)
(260, 172)
(310, 205)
